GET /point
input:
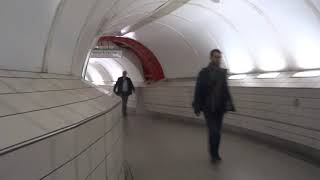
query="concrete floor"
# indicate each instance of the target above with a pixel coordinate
(158, 149)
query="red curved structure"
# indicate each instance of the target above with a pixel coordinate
(151, 67)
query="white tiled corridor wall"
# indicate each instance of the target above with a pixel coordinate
(269, 110)
(82, 128)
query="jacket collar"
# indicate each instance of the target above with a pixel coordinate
(214, 66)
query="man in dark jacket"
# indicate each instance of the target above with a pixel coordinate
(213, 98)
(124, 88)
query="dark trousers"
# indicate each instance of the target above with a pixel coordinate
(214, 124)
(124, 104)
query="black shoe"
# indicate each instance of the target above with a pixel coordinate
(216, 159)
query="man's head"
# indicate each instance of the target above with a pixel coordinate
(216, 57)
(124, 74)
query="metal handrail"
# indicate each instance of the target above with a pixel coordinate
(34, 140)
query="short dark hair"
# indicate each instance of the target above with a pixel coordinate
(215, 51)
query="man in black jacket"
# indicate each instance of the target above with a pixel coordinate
(213, 98)
(124, 88)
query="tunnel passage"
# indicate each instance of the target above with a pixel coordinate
(271, 46)
(151, 67)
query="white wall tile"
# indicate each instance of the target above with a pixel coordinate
(16, 129)
(46, 119)
(31, 162)
(45, 99)
(88, 133)
(272, 103)
(64, 147)
(70, 117)
(108, 121)
(84, 165)
(67, 84)
(108, 143)
(4, 88)
(19, 102)
(84, 109)
(100, 172)
(97, 153)
(25, 74)
(19, 84)
(67, 172)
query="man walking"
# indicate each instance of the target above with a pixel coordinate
(124, 88)
(213, 98)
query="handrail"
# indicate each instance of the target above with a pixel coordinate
(34, 140)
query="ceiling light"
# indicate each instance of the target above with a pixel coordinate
(238, 76)
(125, 30)
(270, 60)
(268, 75)
(307, 74)
(131, 35)
(98, 83)
(307, 53)
(239, 62)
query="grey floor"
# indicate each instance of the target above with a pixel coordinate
(158, 149)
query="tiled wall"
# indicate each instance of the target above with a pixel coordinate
(291, 114)
(75, 130)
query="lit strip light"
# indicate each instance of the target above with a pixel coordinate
(268, 75)
(307, 74)
(238, 77)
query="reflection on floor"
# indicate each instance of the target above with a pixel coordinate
(158, 149)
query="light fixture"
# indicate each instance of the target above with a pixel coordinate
(239, 62)
(271, 60)
(237, 76)
(125, 30)
(314, 73)
(131, 35)
(98, 83)
(268, 75)
(307, 53)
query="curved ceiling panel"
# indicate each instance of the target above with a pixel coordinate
(254, 35)
(123, 22)
(25, 26)
(298, 27)
(198, 42)
(66, 32)
(140, 7)
(100, 70)
(105, 13)
(100, 15)
(168, 45)
(151, 67)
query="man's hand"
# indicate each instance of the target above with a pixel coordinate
(196, 109)
(197, 112)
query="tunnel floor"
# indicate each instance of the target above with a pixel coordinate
(159, 149)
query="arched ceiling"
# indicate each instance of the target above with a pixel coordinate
(55, 36)
(255, 35)
(151, 67)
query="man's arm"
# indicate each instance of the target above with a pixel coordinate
(132, 86)
(197, 100)
(115, 88)
(230, 106)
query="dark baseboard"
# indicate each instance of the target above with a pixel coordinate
(293, 149)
